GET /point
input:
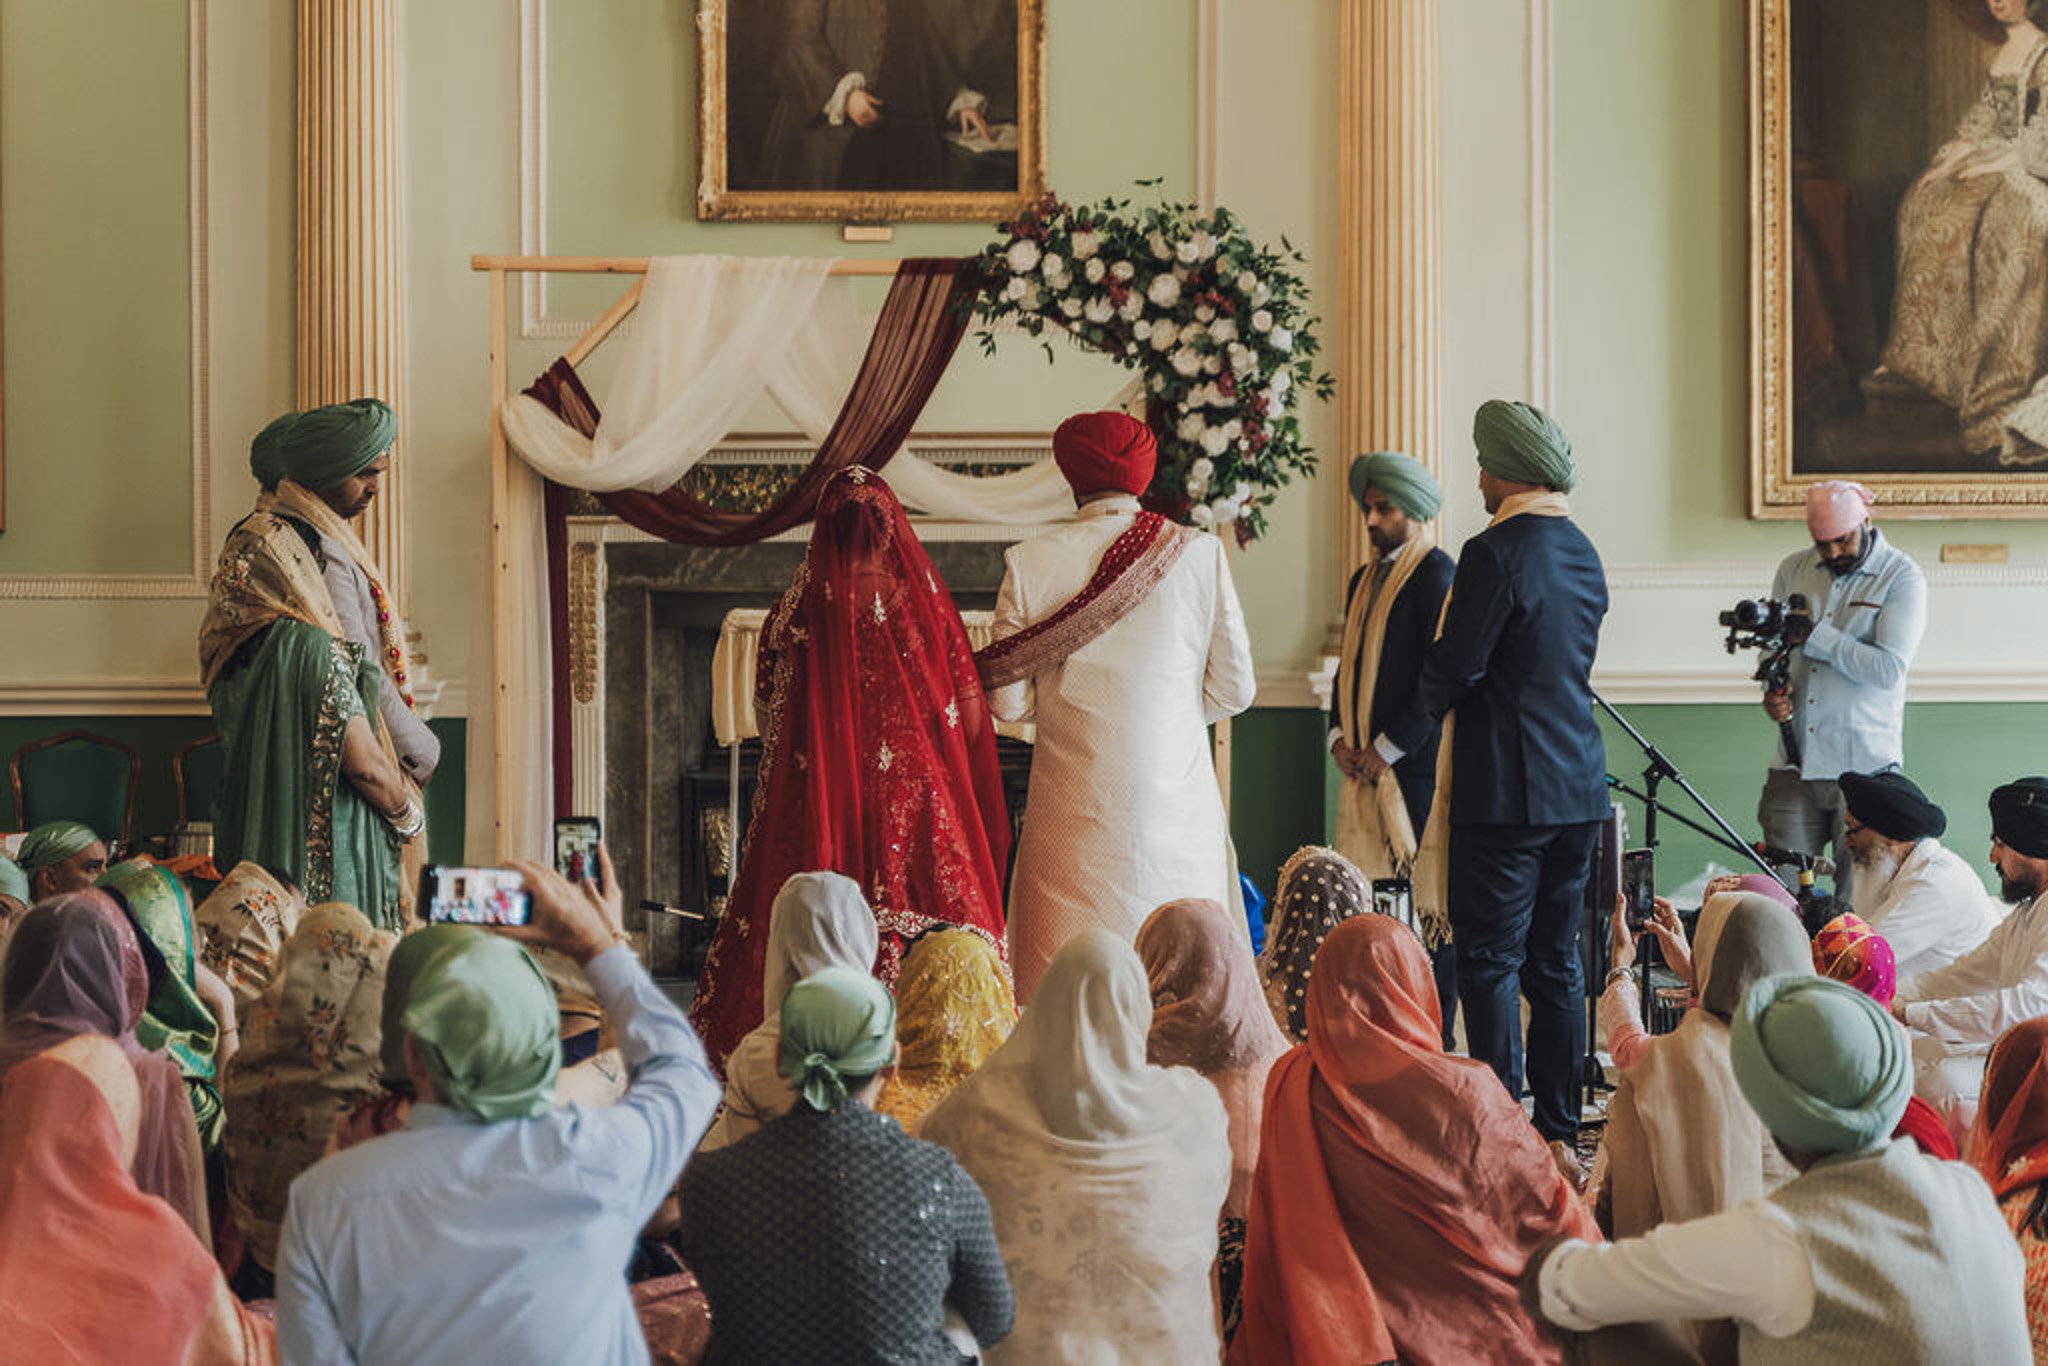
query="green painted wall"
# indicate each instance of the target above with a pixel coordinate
(1279, 796)
(157, 738)
(95, 246)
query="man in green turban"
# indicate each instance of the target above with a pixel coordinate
(1873, 1252)
(1517, 811)
(513, 1208)
(1391, 608)
(61, 856)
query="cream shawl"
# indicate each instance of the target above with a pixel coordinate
(1373, 829)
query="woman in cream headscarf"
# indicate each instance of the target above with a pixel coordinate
(1104, 1173)
(817, 921)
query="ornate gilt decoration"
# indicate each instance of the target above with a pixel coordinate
(583, 621)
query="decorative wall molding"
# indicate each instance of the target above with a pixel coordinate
(1682, 687)
(1542, 256)
(148, 697)
(1754, 576)
(193, 583)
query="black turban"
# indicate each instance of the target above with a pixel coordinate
(2019, 816)
(1892, 805)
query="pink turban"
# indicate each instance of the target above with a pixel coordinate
(1836, 507)
(1101, 452)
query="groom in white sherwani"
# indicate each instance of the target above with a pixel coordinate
(1121, 637)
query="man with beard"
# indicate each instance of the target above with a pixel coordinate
(1956, 1013)
(1846, 703)
(1923, 898)
(1391, 611)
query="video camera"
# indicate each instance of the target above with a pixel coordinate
(1776, 628)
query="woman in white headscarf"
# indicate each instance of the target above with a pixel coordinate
(817, 921)
(1104, 1173)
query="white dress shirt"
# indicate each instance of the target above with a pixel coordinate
(1932, 911)
(1987, 991)
(1745, 1263)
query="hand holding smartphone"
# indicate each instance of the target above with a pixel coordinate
(1638, 888)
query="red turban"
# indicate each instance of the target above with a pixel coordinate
(1100, 452)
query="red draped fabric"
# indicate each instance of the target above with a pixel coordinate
(878, 754)
(922, 320)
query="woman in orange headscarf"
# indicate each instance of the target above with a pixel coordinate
(2009, 1146)
(1400, 1190)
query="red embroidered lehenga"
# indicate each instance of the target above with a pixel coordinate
(878, 754)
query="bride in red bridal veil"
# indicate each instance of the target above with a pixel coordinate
(878, 754)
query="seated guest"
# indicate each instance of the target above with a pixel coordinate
(91, 1268)
(1209, 1014)
(1400, 1189)
(817, 921)
(954, 1007)
(827, 1235)
(1680, 1140)
(309, 1054)
(1850, 951)
(1319, 889)
(14, 897)
(243, 925)
(76, 967)
(1956, 1012)
(385, 1110)
(1925, 900)
(61, 856)
(1872, 1253)
(191, 1016)
(1104, 1173)
(495, 1227)
(2009, 1149)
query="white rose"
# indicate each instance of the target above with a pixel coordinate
(1262, 321)
(1239, 493)
(1261, 293)
(1014, 290)
(1094, 270)
(1141, 329)
(1131, 308)
(1161, 248)
(1191, 428)
(1204, 245)
(1085, 243)
(1223, 330)
(1053, 267)
(1163, 339)
(1032, 298)
(1122, 270)
(1247, 282)
(1233, 429)
(1190, 332)
(1283, 339)
(1212, 365)
(1240, 357)
(1023, 255)
(1204, 313)
(1214, 441)
(1196, 488)
(1202, 517)
(1280, 383)
(1071, 307)
(1186, 252)
(1099, 309)
(1163, 291)
(1276, 407)
(1187, 361)
(1130, 348)
(1224, 511)
(1222, 400)
(1203, 467)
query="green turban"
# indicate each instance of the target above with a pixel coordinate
(52, 842)
(1823, 1065)
(13, 882)
(408, 960)
(1406, 482)
(836, 1023)
(485, 1023)
(1519, 443)
(323, 446)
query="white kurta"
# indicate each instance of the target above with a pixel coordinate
(1932, 911)
(1123, 813)
(1956, 1013)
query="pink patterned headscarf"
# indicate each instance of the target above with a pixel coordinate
(1836, 507)
(1849, 950)
(1764, 885)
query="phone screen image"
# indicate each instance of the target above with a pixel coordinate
(576, 839)
(476, 896)
(1638, 886)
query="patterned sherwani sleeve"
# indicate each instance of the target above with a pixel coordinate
(1230, 681)
(419, 749)
(1013, 701)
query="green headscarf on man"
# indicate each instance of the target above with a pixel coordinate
(1402, 479)
(1520, 443)
(52, 842)
(320, 447)
(484, 1022)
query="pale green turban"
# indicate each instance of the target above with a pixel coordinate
(1517, 442)
(1406, 482)
(1823, 1065)
(485, 1023)
(409, 958)
(52, 842)
(836, 1023)
(323, 446)
(13, 882)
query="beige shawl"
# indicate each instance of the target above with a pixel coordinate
(1373, 829)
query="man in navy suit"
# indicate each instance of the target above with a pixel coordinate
(1391, 609)
(1528, 769)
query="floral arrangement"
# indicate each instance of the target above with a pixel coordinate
(1217, 325)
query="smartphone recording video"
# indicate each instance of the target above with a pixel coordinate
(1638, 888)
(474, 896)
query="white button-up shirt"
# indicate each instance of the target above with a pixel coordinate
(1849, 680)
(2003, 981)
(1932, 910)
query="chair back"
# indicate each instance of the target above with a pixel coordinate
(197, 770)
(77, 775)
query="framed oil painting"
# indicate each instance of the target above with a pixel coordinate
(1899, 253)
(870, 111)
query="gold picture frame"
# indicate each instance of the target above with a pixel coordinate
(1831, 396)
(757, 186)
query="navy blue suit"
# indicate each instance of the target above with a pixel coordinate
(1528, 790)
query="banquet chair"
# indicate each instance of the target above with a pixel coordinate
(77, 775)
(196, 771)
